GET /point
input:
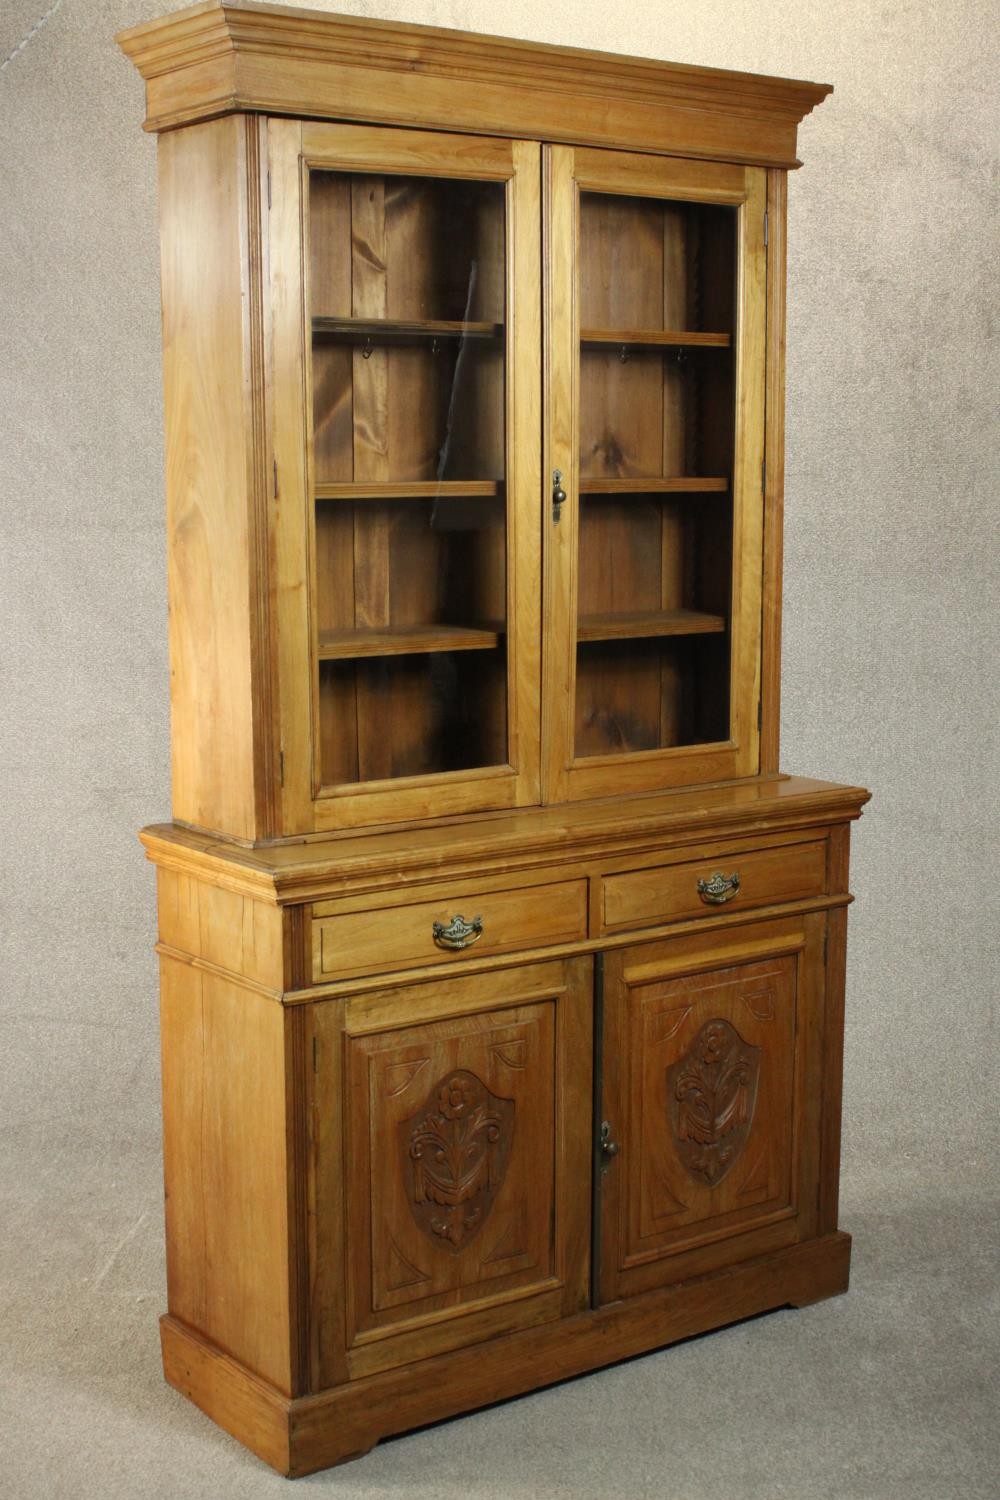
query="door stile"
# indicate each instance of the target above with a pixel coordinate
(290, 474)
(748, 477)
(523, 400)
(610, 1097)
(560, 213)
(598, 1162)
(774, 471)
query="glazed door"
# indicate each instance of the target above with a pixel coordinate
(712, 1058)
(404, 273)
(452, 1124)
(655, 330)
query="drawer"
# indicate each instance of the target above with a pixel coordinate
(670, 893)
(432, 932)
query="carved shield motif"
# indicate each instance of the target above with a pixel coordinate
(455, 1153)
(711, 1095)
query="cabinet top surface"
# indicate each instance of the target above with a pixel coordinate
(225, 55)
(500, 843)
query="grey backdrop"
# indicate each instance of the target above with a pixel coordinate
(889, 680)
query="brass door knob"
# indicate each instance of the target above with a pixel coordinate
(558, 494)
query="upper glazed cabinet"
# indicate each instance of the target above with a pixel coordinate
(466, 450)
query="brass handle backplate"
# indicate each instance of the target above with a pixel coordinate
(719, 889)
(458, 933)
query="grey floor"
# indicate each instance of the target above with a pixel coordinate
(891, 1391)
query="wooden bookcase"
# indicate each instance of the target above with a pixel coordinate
(502, 968)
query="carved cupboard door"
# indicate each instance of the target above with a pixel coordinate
(712, 1051)
(452, 1124)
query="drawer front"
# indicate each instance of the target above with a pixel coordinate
(466, 924)
(672, 893)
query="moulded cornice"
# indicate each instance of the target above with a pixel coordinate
(215, 57)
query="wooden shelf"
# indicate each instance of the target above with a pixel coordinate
(412, 489)
(654, 338)
(397, 331)
(404, 640)
(642, 624)
(650, 486)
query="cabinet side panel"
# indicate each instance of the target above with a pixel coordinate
(225, 1167)
(833, 1044)
(230, 931)
(774, 471)
(209, 440)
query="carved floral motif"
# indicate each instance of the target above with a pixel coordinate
(711, 1093)
(455, 1151)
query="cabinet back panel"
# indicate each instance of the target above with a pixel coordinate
(412, 250)
(408, 413)
(636, 695)
(412, 715)
(620, 554)
(657, 414)
(443, 561)
(405, 247)
(656, 264)
(650, 552)
(650, 266)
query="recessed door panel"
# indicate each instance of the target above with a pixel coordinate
(707, 1049)
(711, 1117)
(458, 1119)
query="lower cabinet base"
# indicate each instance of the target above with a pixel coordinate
(314, 1432)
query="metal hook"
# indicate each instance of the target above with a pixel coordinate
(435, 346)
(623, 354)
(366, 352)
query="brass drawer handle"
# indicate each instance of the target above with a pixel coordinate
(719, 889)
(458, 933)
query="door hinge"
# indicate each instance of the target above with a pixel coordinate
(760, 714)
(275, 479)
(269, 188)
(281, 767)
(765, 225)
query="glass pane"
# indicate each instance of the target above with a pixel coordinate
(408, 309)
(657, 421)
